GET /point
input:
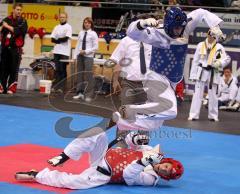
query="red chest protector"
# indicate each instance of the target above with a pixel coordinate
(118, 159)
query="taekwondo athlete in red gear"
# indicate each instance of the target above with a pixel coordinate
(137, 165)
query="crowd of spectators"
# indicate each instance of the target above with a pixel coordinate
(236, 3)
(114, 3)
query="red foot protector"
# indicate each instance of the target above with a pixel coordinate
(24, 157)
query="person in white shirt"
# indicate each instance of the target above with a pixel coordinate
(127, 57)
(61, 36)
(169, 41)
(209, 60)
(138, 165)
(86, 47)
(227, 88)
(234, 105)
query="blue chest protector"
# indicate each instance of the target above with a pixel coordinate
(169, 62)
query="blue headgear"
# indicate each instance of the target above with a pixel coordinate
(174, 17)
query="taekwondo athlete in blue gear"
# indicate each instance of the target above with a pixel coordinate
(170, 62)
(169, 41)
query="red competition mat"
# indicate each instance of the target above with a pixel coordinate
(24, 157)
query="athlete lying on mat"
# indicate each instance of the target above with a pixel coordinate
(139, 164)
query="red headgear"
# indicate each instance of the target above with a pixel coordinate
(41, 32)
(32, 31)
(177, 169)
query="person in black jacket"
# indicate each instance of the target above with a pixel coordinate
(13, 31)
(0, 42)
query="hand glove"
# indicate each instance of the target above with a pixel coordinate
(217, 64)
(152, 159)
(57, 160)
(109, 63)
(222, 38)
(217, 33)
(150, 22)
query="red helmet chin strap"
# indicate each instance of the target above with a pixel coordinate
(177, 169)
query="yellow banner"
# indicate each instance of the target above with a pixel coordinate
(40, 16)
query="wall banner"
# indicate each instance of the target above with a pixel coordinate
(200, 34)
(40, 16)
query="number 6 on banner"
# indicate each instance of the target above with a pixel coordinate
(42, 17)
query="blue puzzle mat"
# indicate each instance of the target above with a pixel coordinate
(211, 160)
